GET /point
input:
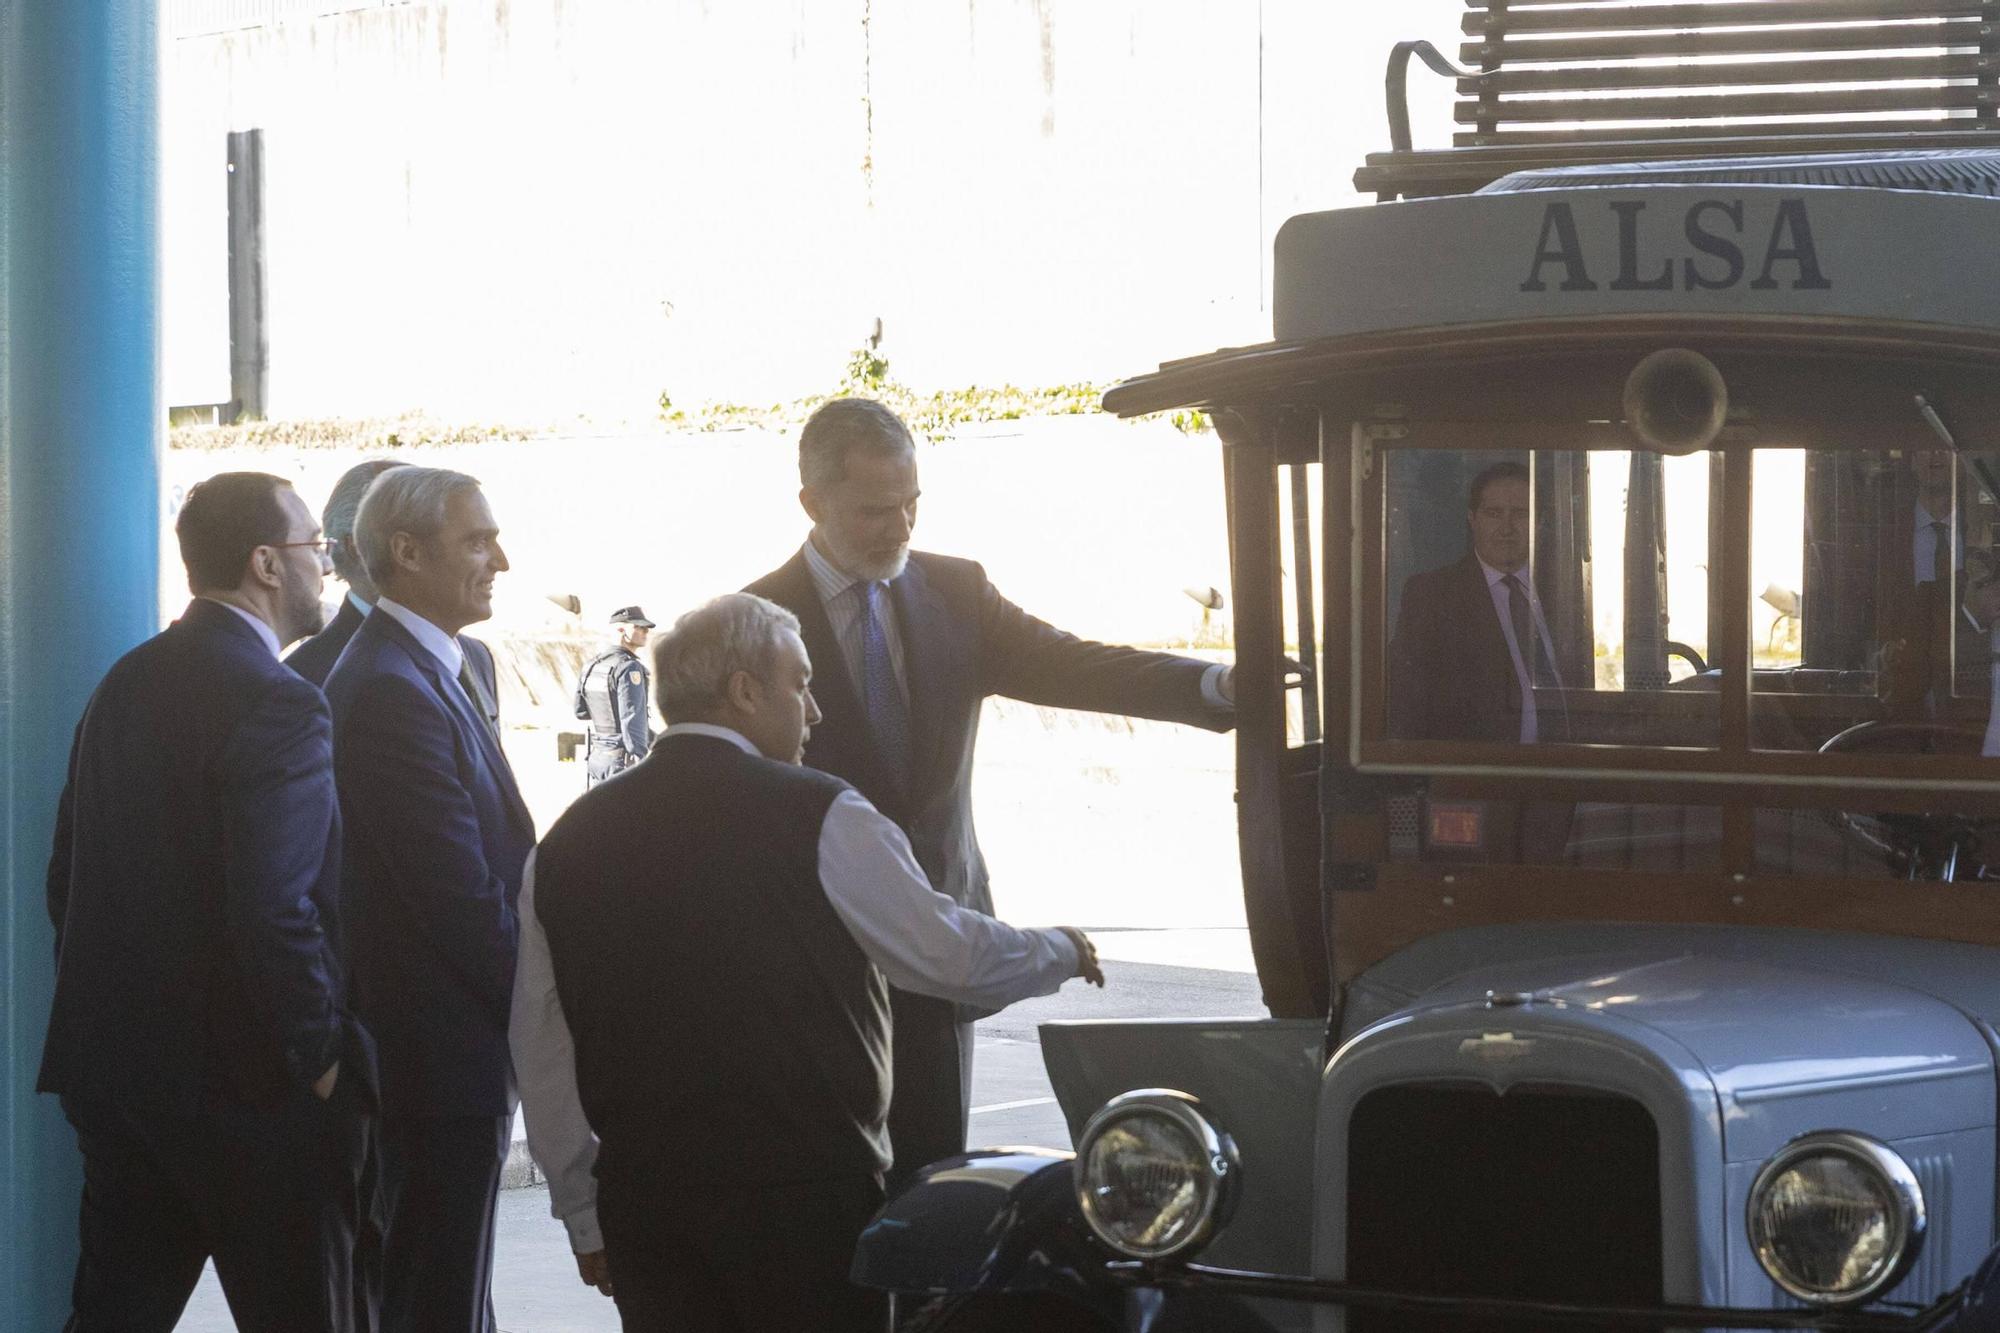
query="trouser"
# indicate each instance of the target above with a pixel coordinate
(440, 1188)
(373, 1223)
(601, 761)
(770, 1260)
(930, 1102)
(270, 1192)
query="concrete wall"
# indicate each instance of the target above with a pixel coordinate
(533, 208)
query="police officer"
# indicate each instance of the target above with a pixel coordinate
(612, 694)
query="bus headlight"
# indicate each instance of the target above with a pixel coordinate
(1154, 1176)
(1836, 1218)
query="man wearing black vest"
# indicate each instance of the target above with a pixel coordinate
(702, 984)
(908, 645)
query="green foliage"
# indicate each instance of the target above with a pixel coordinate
(937, 414)
(866, 370)
(392, 433)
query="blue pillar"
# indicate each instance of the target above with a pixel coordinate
(79, 515)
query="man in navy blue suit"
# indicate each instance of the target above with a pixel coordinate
(199, 1037)
(314, 658)
(436, 833)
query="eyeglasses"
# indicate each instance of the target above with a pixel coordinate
(325, 546)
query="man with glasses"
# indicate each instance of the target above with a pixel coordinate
(199, 1036)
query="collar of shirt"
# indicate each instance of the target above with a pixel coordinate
(730, 734)
(264, 632)
(1493, 577)
(829, 579)
(444, 647)
(357, 603)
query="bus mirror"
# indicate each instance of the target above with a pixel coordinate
(1676, 401)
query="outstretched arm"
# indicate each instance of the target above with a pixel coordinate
(921, 939)
(1031, 660)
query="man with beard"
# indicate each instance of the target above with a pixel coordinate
(435, 835)
(906, 646)
(199, 1037)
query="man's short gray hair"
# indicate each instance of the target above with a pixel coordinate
(693, 661)
(841, 426)
(336, 521)
(404, 499)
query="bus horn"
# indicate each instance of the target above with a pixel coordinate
(1676, 401)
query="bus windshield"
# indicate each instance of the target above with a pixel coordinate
(1807, 634)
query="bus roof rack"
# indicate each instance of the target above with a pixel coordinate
(1937, 170)
(1554, 82)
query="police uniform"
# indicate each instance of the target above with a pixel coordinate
(611, 693)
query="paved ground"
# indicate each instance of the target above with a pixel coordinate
(1165, 974)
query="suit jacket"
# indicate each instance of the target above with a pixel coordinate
(961, 642)
(1451, 677)
(315, 657)
(194, 880)
(435, 836)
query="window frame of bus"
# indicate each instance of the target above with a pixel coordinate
(1731, 773)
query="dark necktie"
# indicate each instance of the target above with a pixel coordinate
(1522, 615)
(888, 714)
(1940, 553)
(476, 696)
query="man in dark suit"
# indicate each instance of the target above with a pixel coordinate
(436, 832)
(907, 646)
(703, 951)
(199, 1036)
(314, 658)
(1470, 646)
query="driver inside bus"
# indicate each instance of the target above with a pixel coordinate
(1471, 641)
(1470, 647)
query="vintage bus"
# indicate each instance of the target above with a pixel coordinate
(1615, 532)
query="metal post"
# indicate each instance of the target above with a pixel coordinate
(249, 343)
(79, 515)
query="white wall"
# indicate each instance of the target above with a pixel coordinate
(528, 209)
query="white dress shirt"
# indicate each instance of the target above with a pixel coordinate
(264, 632)
(1496, 585)
(441, 646)
(842, 596)
(920, 939)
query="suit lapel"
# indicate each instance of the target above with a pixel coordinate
(840, 744)
(453, 697)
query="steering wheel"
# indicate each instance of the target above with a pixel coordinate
(1919, 847)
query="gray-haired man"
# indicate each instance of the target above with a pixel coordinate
(435, 836)
(315, 657)
(718, 979)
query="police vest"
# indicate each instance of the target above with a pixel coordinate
(600, 674)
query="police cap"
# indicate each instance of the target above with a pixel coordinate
(631, 615)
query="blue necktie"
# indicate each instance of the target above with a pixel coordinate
(888, 715)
